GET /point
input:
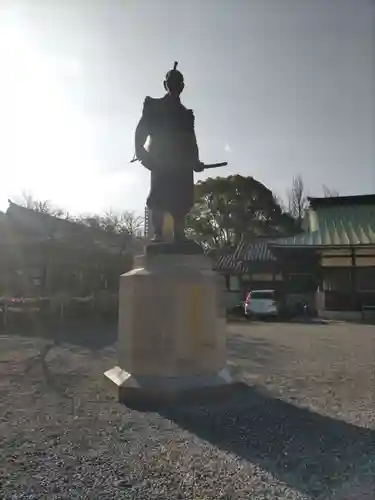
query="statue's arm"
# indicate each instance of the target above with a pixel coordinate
(142, 132)
(194, 146)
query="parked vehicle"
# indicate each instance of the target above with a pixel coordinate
(261, 303)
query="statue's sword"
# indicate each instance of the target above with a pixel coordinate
(214, 165)
(205, 166)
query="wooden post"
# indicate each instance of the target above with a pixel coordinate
(353, 279)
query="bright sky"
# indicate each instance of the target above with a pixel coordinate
(278, 87)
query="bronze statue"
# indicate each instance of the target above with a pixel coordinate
(170, 153)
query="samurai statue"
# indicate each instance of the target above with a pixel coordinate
(165, 143)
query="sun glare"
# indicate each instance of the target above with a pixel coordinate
(45, 143)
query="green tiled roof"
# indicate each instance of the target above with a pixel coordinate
(336, 225)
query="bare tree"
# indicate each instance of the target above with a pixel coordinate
(328, 192)
(43, 206)
(297, 198)
(131, 223)
(281, 202)
(126, 222)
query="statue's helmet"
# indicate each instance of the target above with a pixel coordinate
(174, 80)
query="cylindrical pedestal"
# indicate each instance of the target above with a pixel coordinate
(171, 329)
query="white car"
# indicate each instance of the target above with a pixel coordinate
(261, 303)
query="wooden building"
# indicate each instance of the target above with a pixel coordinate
(330, 265)
(338, 247)
(252, 262)
(41, 255)
(251, 266)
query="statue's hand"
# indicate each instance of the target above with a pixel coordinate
(199, 167)
(143, 156)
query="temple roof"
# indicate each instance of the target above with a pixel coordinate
(340, 221)
(245, 255)
(337, 221)
(24, 225)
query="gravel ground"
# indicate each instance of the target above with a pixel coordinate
(304, 428)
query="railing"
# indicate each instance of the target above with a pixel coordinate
(341, 301)
(348, 301)
(22, 306)
(60, 305)
(366, 309)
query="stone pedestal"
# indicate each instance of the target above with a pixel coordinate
(172, 339)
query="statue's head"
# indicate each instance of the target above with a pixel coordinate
(174, 81)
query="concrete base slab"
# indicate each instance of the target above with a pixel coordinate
(150, 390)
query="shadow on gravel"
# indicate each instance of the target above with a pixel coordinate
(316, 455)
(91, 333)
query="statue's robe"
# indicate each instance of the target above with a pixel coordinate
(173, 154)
